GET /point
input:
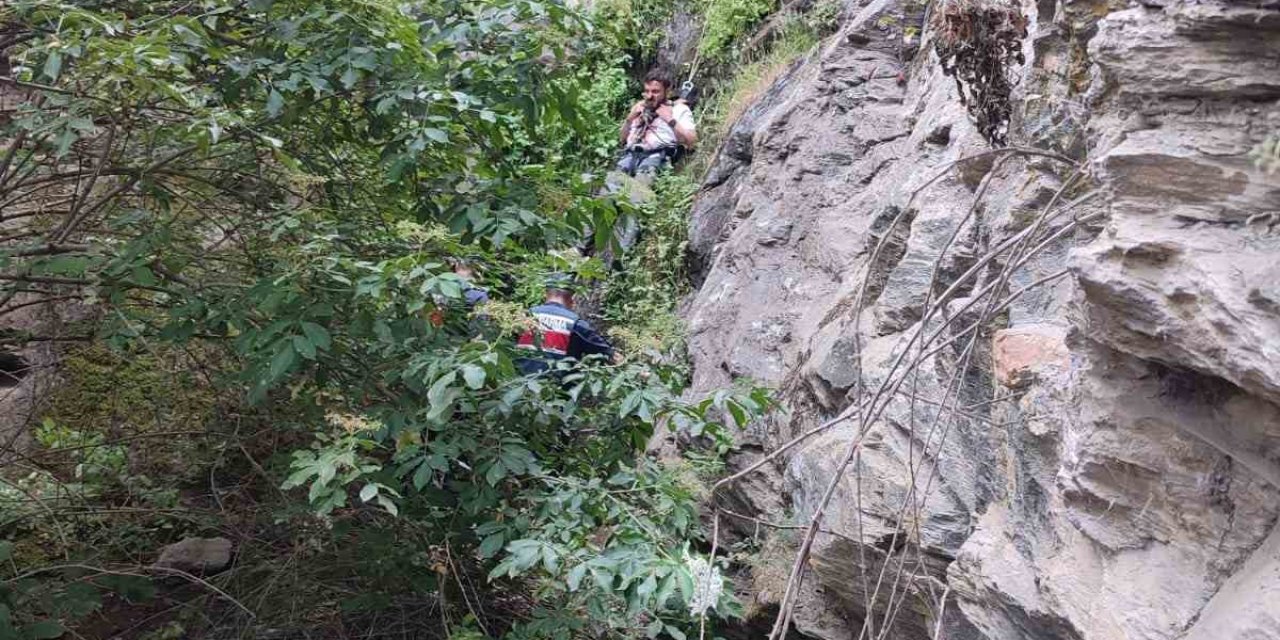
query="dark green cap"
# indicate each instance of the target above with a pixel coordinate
(561, 282)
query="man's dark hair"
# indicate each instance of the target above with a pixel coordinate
(657, 75)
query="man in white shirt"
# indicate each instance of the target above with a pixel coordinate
(655, 128)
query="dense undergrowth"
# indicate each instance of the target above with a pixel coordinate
(725, 21)
(231, 224)
(641, 299)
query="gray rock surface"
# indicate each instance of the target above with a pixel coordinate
(1092, 452)
(1245, 607)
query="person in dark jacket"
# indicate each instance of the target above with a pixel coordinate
(558, 331)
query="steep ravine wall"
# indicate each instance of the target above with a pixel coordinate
(1109, 463)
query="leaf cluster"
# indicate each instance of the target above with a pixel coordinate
(726, 21)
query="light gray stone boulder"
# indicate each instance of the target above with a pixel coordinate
(196, 555)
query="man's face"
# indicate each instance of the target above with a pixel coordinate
(654, 94)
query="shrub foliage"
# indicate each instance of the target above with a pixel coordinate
(272, 192)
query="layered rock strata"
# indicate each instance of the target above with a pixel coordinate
(1062, 365)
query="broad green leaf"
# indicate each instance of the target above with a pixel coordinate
(283, 361)
(349, 78)
(504, 568)
(304, 347)
(685, 581)
(298, 478)
(654, 628)
(318, 335)
(437, 394)
(275, 103)
(43, 630)
(512, 396)
(78, 600)
(491, 545)
(550, 559)
(144, 276)
(490, 527)
(603, 578)
(574, 579)
(422, 475)
(495, 474)
(63, 142)
(524, 553)
(318, 84)
(67, 265)
(738, 412)
(368, 492)
(630, 403)
(648, 586)
(515, 458)
(326, 470)
(131, 588)
(474, 376)
(52, 65)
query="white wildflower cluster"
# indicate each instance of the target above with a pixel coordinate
(351, 423)
(707, 584)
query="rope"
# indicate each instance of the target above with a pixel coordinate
(697, 58)
(697, 54)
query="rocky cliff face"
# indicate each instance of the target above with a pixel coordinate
(1060, 369)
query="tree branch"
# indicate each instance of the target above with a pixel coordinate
(49, 250)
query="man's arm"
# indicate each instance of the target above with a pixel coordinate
(591, 340)
(686, 131)
(687, 136)
(680, 118)
(625, 131)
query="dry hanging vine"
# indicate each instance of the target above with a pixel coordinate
(977, 41)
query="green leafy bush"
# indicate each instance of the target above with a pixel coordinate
(824, 16)
(606, 93)
(277, 189)
(640, 300)
(637, 25)
(725, 21)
